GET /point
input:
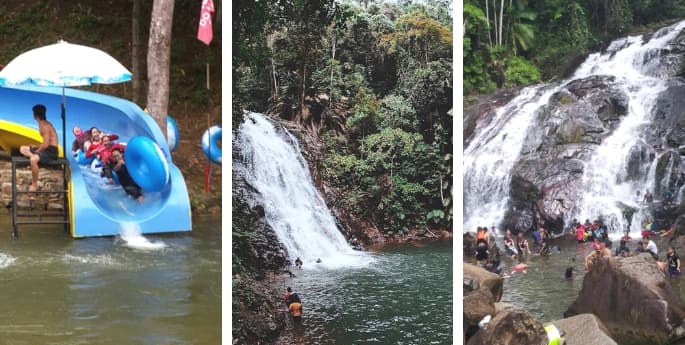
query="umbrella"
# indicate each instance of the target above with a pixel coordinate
(63, 64)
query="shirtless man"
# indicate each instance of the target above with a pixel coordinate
(47, 151)
(599, 252)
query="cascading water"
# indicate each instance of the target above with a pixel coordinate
(292, 205)
(606, 180)
(496, 147)
(489, 158)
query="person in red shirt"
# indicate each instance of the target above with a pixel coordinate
(104, 153)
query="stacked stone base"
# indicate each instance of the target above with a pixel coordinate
(49, 179)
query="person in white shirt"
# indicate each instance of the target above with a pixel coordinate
(650, 246)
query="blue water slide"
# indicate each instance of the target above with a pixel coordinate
(97, 208)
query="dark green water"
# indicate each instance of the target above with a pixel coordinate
(57, 290)
(403, 297)
(544, 291)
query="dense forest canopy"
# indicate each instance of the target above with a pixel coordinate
(373, 80)
(519, 42)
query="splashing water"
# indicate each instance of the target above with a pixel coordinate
(292, 205)
(6, 260)
(130, 234)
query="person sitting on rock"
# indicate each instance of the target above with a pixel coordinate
(650, 247)
(580, 233)
(623, 249)
(522, 244)
(482, 252)
(482, 236)
(509, 244)
(649, 198)
(598, 253)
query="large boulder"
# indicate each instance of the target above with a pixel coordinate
(481, 290)
(584, 329)
(633, 299)
(511, 326)
(493, 282)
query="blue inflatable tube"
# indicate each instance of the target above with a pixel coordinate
(210, 143)
(171, 133)
(146, 163)
(81, 158)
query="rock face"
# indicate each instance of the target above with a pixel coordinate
(633, 299)
(481, 290)
(511, 327)
(584, 329)
(546, 182)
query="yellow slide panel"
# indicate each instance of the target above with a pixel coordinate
(13, 135)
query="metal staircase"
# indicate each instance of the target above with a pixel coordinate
(33, 215)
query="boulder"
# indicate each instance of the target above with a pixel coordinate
(511, 327)
(469, 240)
(481, 290)
(633, 299)
(584, 329)
(493, 282)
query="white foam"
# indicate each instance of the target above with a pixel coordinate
(130, 234)
(6, 260)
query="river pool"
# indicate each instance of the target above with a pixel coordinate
(58, 290)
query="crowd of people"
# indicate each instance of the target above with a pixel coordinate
(595, 234)
(109, 155)
(93, 143)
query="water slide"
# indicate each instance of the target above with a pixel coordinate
(97, 208)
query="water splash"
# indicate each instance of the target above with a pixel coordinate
(6, 260)
(132, 237)
(293, 206)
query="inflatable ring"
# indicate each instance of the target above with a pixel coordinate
(81, 158)
(210, 143)
(171, 133)
(147, 164)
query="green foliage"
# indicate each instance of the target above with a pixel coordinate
(397, 112)
(384, 72)
(520, 72)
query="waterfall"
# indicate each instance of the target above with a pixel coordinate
(293, 207)
(491, 155)
(497, 145)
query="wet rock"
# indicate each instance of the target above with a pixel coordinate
(585, 329)
(490, 281)
(632, 298)
(469, 244)
(511, 327)
(481, 290)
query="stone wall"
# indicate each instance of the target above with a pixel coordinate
(49, 179)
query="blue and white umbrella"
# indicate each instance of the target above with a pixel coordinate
(63, 64)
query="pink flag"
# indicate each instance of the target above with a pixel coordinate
(204, 29)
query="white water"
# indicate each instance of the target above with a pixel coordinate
(495, 148)
(491, 155)
(132, 237)
(292, 205)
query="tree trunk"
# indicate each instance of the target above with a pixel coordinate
(136, 53)
(487, 22)
(501, 17)
(494, 14)
(304, 112)
(330, 91)
(158, 61)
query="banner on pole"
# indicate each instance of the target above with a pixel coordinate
(204, 29)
